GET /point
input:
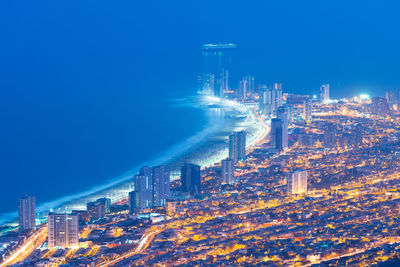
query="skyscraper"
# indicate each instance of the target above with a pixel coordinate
(237, 146)
(228, 171)
(99, 208)
(276, 134)
(26, 212)
(190, 178)
(143, 193)
(218, 62)
(63, 230)
(330, 138)
(278, 95)
(379, 106)
(297, 182)
(324, 93)
(243, 89)
(307, 110)
(283, 116)
(161, 186)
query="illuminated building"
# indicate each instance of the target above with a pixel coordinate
(106, 202)
(217, 64)
(297, 182)
(282, 114)
(63, 230)
(330, 138)
(161, 185)
(379, 106)
(271, 99)
(190, 178)
(237, 146)
(276, 134)
(142, 197)
(26, 212)
(324, 93)
(170, 206)
(392, 97)
(228, 171)
(307, 110)
(243, 89)
(97, 209)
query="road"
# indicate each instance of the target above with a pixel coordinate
(143, 244)
(25, 249)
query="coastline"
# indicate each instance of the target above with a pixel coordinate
(205, 148)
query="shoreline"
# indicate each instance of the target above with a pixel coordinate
(205, 148)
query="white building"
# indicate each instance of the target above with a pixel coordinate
(26, 212)
(63, 230)
(228, 171)
(324, 91)
(297, 182)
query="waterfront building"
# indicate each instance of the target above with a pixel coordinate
(237, 146)
(217, 63)
(307, 110)
(276, 134)
(228, 171)
(190, 179)
(106, 202)
(324, 93)
(283, 116)
(63, 230)
(161, 185)
(26, 213)
(297, 182)
(96, 210)
(243, 89)
(278, 95)
(143, 193)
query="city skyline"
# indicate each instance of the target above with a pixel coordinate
(199, 133)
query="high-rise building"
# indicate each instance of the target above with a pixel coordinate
(161, 186)
(228, 171)
(26, 212)
(99, 208)
(282, 114)
(190, 178)
(278, 95)
(379, 106)
(330, 138)
(392, 97)
(218, 62)
(106, 202)
(276, 134)
(307, 110)
(143, 193)
(243, 89)
(63, 230)
(237, 146)
(357, 135)
(297, 182)
(324, 93)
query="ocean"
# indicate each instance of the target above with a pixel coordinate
(54, 152)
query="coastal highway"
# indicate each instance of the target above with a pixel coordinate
(26, 248)
(143, 244)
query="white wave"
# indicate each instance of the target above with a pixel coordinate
(173, 152)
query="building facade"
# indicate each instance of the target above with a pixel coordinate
(26, 213)
(63, 230)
